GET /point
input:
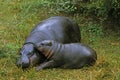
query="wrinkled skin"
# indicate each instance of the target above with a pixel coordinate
(60, 29)
(73, 56)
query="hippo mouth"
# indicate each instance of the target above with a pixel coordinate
(23, 62)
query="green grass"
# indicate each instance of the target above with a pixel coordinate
(18, 17)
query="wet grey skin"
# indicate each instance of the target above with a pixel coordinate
(58, 28)
(71, 56)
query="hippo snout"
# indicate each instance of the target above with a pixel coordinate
(23, 62)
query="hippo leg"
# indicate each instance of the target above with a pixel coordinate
(48, 64)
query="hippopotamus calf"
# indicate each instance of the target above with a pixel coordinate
(74, 55)
(60, 29)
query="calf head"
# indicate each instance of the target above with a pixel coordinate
(44, 45)
(47, 48)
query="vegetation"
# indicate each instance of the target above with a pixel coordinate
(18, 17)
(102, 10)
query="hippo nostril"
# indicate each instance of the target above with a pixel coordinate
(22, 65)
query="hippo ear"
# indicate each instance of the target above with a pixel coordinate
(46, 43)
(49, 43)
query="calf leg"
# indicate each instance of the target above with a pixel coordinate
(48, 64)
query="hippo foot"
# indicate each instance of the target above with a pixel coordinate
(48, 64)
(38, 68)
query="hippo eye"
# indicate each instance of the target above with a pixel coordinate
(30, 54)
(49, 44)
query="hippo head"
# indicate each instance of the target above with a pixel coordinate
(29, 56)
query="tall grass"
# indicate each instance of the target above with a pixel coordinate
(18, 17)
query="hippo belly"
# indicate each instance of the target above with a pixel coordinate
(74, 55)
(60, 29)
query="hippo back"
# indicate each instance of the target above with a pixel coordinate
(61, 29)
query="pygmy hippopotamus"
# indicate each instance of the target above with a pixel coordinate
(60, 29)
(73, 55)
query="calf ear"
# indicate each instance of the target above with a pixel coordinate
(43, 44)
(46, 43)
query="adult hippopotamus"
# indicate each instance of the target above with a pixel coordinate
(73, 55)
(60, 29)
